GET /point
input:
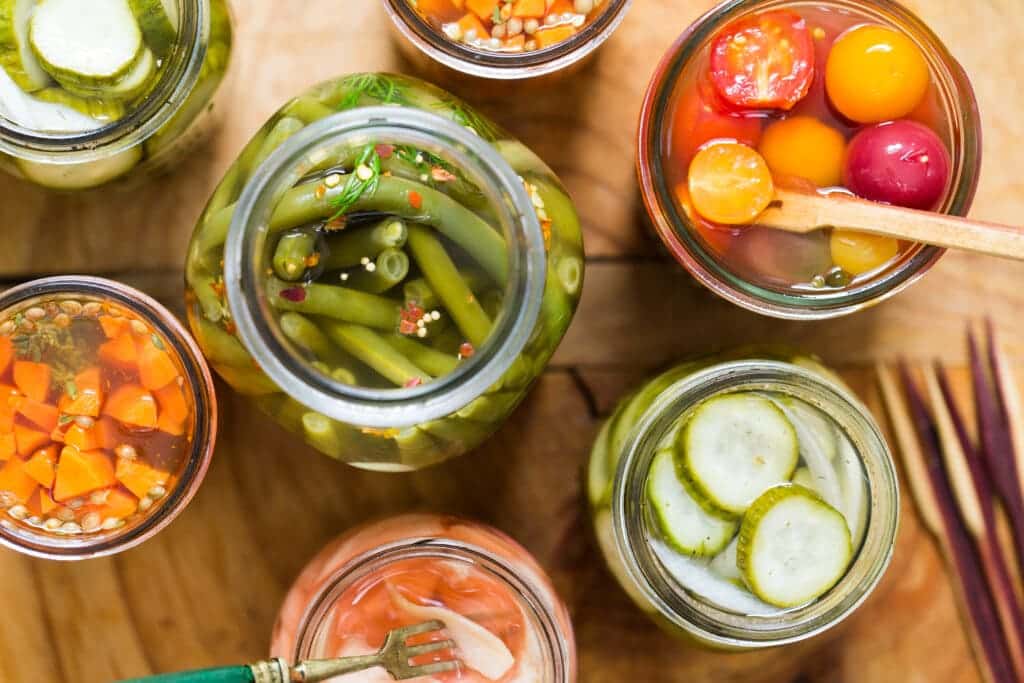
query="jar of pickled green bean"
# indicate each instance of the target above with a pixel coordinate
(97, 91)
(384, 271)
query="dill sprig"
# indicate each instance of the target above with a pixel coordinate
(384, 89)
(468, 118)
(359, 183)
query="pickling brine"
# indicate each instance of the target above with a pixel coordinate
(742, 490)
(385, 281)
(91, 91)
(497, 605)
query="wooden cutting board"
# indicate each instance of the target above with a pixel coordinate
(206, 591)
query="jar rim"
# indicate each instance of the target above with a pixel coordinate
(178, 79)
(386, 408)
(204, 435)
(313, 619)
(721, 627)
(502, 65)
(674, 228)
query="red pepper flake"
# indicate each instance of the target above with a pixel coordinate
(545, 229)
(414, 382)
(441, 175)
(218, 288)
(230, 327)
(466, 350)
(338, 223)
(294, 294)
(407, 327)
(313, 260)
(385, 151)
(320, 191)
(415, 200)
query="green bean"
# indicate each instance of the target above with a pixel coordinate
(379, 276)
(444, 278)
(282, 130)
(492, 302)
(341, 303)
(418, 290)
(248, 381)
(292, 254)
(308, 336)
(565, 222)
(210, 303)
(431, 360)
(490, 408)
(322, 433)
(463, 433)
(308, 109)
(348, 248)
(370, 348)
(221, 347)
(570, 274)
(448, 340)
(521, 158)
(417, 448)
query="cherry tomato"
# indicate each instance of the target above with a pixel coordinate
(730, 183)
(697, 121)
(718, 238)
(764, 61)
(860, 252)
(804, 147)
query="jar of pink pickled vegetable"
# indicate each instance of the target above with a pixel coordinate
(498, 605)
(843, 96)
(501, 39)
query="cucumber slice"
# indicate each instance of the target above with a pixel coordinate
(804, 478)
(83, 175)
(599, 477)
(16, 56)
(819, 444)
(103, 111)
(724, 564)
(158, 20)
(98, 47)
(683, 522)
(734, 447)
(793, 546)
(854, 489)
(38, 114)
(136, 81)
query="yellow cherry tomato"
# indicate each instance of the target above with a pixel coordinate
(875, 74)
(860, 252)
(805, 147)
(730, 183)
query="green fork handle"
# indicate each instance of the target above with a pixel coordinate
(224, 674)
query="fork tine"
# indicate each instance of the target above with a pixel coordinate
(429, 669)
(425, 648)
(404, 633)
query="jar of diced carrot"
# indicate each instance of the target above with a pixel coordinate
(504, 39)
(107, 417)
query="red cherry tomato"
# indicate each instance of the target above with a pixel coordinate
(697, 121)
(764, 61)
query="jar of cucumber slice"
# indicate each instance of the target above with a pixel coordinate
(384, 271)
(93, 91)
(746, 500)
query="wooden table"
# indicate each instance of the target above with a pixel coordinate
(206, 590)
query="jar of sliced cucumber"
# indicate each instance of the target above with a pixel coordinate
(93, 91)
(384, 271)
(746, 500)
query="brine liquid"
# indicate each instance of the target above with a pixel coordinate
(773, 259)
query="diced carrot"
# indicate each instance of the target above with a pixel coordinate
(42, 415)
(29, 440)
(132, 405)
(561, 7)
(82, 439)
(433, 8)
(469, 22)
(9, 400)
(482, 8)
(113, 327)
(6, 353)
(119, 505)
(516, 42)
(40, 503)
(138, 477)
(120, 351)
(14, 479)
(8, 447)
(156, 369)
(107, 433)
(86, 397)
(174, 411)
(42, 466)
(80, 472)
(554, 34)
(529, 9)
(32, 379)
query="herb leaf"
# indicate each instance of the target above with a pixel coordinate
(385, 89)
(355, 186)
(71, 389)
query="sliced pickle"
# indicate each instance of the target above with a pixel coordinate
(684, 524)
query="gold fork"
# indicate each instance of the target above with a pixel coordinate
(394, 656)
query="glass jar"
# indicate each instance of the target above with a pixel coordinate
(950, 102)
(142, 427)
(430, 151)
(429, 46)
(358, 587)
(664, 584)
(134, 137)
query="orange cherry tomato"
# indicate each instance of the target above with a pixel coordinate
(730, 183)
(718, 238)
(859, 252)
(697, 121)
(764, 61)
(804, 147)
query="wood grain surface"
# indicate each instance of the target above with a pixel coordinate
(205, 591)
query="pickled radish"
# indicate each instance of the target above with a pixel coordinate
(900, 162)
(730, 183)
(876, 73)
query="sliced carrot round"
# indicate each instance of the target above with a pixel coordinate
(730, 183)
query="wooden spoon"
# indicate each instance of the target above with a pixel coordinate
(804, 212)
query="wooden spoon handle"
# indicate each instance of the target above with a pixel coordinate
(805, 212)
